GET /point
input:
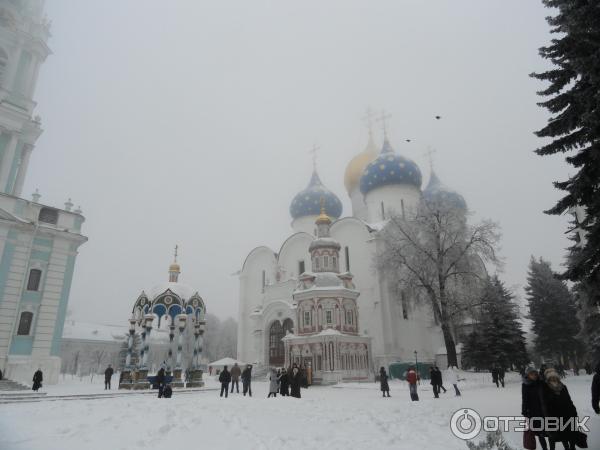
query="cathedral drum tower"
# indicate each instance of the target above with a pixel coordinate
(38, 243)
(327, 337)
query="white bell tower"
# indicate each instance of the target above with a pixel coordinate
(24, 32)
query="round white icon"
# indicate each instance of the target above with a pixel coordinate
(465, 424)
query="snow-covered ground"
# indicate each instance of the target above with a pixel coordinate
(340, 417)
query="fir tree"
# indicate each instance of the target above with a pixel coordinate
(572, 98)
(553, 312)
(498, 339)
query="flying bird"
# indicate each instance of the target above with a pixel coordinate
(438, 117)
(408, 140)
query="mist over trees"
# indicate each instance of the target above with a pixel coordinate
(553, 312)
(437, 254)
(498, 338)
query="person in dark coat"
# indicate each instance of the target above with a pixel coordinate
(588, 368)
(235, 377)
(247, 380)
(0, 375)
(543, 369)
(284, 383)
(108, 373)
(556, 402)
(434, 381)
(531, 403)
(295, 382)
(225, 379)
(38, 377)
(440, 379)
(495, 376)
(160, 381)
(167, 391)
(501, 373)
(383, 381)
(596, 390)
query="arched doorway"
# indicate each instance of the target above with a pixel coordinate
(276, 348)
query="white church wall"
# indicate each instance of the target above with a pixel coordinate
(395, 198)
(260, 261)
(294, 250)
(353, 233)
(359, 207)
(305, 224)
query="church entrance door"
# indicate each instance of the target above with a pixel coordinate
(276, 348)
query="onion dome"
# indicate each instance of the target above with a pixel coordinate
(390, 168)
(437, 192)
(308, 201)
(357, 165)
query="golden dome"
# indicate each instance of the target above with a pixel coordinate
(357, 165)
(174, 268)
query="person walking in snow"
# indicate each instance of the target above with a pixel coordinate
(596, 390)
(108, 373)
(38, 377)
(295, 382)
(225, 379)
(452, 378)
(160, 381)
(439, 378)
(557, 403)
(235, 377)
(284, 383)
(383, 381)
(531, 404)
(167, 391)
(434, 381)
(495, 376)
(273, 383)
(247, 380)
(412, 378)
(501, 373)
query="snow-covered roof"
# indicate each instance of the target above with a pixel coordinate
(182, 290)
(226, 362)
(93, 331)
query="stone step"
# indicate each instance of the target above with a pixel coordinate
(10, 385)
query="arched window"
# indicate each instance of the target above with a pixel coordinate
(25, 323)
(3, 65)
(33, 283)
(48, 215)
(288, 326)
(276, 349)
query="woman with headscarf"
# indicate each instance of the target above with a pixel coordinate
(531, 404)
(383, 381)
(557, 403)
(295, 382)
(273, 383)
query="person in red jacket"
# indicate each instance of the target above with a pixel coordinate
(412, 378)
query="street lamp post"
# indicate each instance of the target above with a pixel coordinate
(417, 368)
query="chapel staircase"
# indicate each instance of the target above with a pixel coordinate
(10, 385)
(12, 391)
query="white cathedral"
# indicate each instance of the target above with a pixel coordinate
(380, 182)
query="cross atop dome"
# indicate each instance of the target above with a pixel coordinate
(174, 269)
(383, 119)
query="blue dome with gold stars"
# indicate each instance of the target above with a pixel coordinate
(436, 192)
(389, 168)
(308, 201)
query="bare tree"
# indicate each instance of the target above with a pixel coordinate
(439, 256)
(97, 357)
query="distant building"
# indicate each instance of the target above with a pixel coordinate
(89, 347)
(38, 243)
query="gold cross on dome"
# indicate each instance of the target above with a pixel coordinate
(176, 248)
(429, 154)
(368, 119)
(314, 150)
(383, 119)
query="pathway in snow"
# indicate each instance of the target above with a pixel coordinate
(344, 417)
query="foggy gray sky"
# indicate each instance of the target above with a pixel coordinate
(190, 122)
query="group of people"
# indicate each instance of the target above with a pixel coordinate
(233, 377)
(285, 382)
(498, 376)
(412, 378)
(544, 395)
(282, 381)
